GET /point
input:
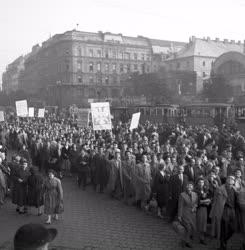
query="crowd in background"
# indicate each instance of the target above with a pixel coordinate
(192, 176)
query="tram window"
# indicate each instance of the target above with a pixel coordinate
(147, 111)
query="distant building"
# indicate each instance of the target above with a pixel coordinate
(199, 55)
(231, 67)
(76, 66)
(10, 78)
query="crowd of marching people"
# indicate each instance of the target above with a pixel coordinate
(193, 176)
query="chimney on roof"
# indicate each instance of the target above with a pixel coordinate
(217, 39)
(208, 39)
(239, 42)
(225, 40)
(232, 41)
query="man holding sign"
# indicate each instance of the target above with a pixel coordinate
(135, 121)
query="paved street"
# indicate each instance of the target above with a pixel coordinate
(94, 221)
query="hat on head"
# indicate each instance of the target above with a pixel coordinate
(32, 236)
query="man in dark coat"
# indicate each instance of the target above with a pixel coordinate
(101, 173)
(82, 168)
(92, 162)
(228, 221)
(73, 155)
(35, 184)
(189, 169)
(177, 185)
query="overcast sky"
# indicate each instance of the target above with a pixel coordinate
(24, 23)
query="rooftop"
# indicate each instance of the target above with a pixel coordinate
(208, 48)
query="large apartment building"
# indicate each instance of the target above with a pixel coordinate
(76, 65)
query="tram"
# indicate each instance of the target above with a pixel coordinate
(190, 114)
(207, 113)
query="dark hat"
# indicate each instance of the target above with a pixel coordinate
(33, 236)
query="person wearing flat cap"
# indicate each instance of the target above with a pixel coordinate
(33, 237)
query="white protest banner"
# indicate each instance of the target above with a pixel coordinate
(82, 117)
(101, 116)
(31, 112)
(41, 113)
(1, 116)
(135, 121)
(21, 108)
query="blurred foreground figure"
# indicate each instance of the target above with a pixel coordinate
(33, 237)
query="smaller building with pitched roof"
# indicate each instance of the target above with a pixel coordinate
(199, 56)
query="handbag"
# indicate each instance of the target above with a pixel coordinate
(178, 228)
(60, 207)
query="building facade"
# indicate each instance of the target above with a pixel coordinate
(199, 56)
(76, 65)
(10, 78)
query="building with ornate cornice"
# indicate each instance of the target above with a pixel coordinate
(75, 66)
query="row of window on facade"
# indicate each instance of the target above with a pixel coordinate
(179, 64)
(123, 68)
(116, 55)
(99, 79)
